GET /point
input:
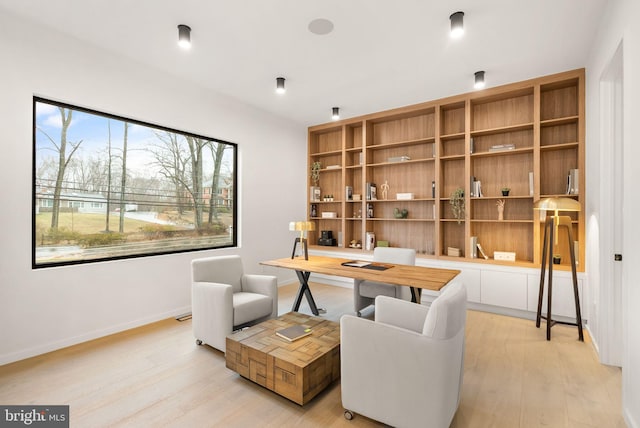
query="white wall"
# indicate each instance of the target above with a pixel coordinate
(45, 309)
(618, 24)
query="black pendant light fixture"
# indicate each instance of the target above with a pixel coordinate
(479, 80)
(335, 113)
(280, 85)
(184, 36)
(457, 26)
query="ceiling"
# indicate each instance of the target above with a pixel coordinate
(381, 54)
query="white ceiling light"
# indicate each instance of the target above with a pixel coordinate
(457, 27)
(280, 85)
(184, 36)
(479, 80)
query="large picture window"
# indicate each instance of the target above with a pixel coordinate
(107, 187)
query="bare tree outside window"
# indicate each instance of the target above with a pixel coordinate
(107, 187)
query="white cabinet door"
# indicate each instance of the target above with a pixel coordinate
(471, 279)
(505, 289)
(562, 302)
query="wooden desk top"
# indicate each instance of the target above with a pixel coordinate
(411, 276)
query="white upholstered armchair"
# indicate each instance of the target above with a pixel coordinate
(365, 292)
(224, 298)
(405, 368)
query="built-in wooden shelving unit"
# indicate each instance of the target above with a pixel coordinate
(447, 143)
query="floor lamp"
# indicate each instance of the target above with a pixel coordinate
(551, 229)
(301, 226)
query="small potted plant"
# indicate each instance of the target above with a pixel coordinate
(557, 259)
(315, 180)
(505, 191)
(457, 204)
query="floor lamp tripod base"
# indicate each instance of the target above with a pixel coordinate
(552, 225)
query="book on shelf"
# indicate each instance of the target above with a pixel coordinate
(473, 248)
(294, 332)
(572, 182)
(502, 147)
(482, 251)
(371, 192)
(531, 184)
(476, 188)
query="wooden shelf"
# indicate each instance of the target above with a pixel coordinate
(455, 136)
(562, 146)
(401, 162)
(452, 157)
(559, 121)
(506, 220)
(482, 198)
(329, 153)
(402, 200)
(543, 118)
(502, 129)
(502, 152)
(402, 143)
(401, 219)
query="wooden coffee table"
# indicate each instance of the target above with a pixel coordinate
(297, 370)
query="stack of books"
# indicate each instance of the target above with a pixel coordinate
(502, 147)
(399, 158)
(371, 192)
(454, 252)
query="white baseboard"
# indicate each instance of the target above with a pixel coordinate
(96, 334)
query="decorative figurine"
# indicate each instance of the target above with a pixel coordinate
(385, 189)
(400, 213)
(500, 205)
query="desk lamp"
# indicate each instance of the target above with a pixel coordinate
(551, 226)
(301, 226)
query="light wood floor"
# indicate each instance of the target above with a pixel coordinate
(156, 376)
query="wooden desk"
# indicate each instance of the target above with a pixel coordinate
(415, 277)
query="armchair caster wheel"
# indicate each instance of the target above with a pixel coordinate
(348, 415)
(198, 342)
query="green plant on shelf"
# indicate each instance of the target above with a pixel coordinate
(315, 172)
(457, 204)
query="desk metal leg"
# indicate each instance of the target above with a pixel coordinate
(304, 289)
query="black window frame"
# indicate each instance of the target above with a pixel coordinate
(233, 194)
